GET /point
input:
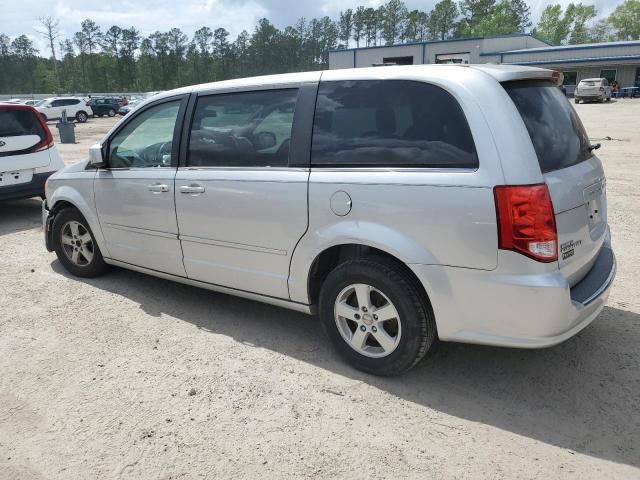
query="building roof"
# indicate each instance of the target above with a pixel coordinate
(428, 42)
(611, 58)
(559, 48)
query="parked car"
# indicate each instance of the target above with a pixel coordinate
(104, 106)
(403, 204)
(31, 102)
(592, 89)
(76, 107)
(27, 153)
(130, 107)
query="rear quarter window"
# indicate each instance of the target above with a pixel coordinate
(390, 123)
(557, 134)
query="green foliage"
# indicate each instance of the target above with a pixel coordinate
(569, 27)
(625, 19)
(507, 16)
(442, 20)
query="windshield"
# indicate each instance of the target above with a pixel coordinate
(556, 132)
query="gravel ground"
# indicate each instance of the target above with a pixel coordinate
(128, 376)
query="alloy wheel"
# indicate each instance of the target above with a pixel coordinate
(77, 243)
(367, 320)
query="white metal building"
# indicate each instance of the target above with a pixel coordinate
(619, 61)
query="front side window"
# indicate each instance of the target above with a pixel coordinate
(147, 140)
(247, 129)
(390, 123)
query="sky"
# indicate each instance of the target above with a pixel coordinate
(21, 16)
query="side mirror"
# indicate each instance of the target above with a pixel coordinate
(96, 159)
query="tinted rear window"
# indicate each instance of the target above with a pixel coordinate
(390, 123)
(556, 132)
(15, 123)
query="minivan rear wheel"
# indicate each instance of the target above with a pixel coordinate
(376, 316)
(75, 245)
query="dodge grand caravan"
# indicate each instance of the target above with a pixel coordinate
(402, 204)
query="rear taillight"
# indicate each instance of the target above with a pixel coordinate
(526, 223)
(47, 141)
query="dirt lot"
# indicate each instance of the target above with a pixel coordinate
(128, 376)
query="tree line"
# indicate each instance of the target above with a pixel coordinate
(120, 59)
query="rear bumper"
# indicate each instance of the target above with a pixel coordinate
(590, 96)
(34, 188)
(523, 311)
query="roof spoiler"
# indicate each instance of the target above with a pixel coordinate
(509, 73)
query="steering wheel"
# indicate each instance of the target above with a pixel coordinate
(154, 154)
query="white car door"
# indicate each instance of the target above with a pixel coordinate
(241, 196)
(135, 194)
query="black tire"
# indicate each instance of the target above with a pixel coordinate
(417, 320)
(96, 266)
(81, 117)
(111, 112)
(576, 100)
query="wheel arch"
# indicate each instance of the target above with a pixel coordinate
(329, 258)
(65, 196)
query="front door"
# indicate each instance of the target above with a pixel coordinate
(135, 193)
(241, 202)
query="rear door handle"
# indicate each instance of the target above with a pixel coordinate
(192, 189)
(157, 188)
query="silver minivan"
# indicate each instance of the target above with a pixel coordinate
(402, 204)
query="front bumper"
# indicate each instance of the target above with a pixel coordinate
(514, 310)
(47, 222)
(34, 188)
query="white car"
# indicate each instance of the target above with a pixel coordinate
(27, 153)
(76, 107)
(592, 89)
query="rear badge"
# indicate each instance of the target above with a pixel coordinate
(567, 249)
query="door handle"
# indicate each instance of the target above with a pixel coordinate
(192, 189)
(157, 188)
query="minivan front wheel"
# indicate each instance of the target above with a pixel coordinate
(376, 316)
(75, 245)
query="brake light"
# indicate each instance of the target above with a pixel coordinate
(526, 223)
(47, 141)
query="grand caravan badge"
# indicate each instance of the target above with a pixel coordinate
(568, 249)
